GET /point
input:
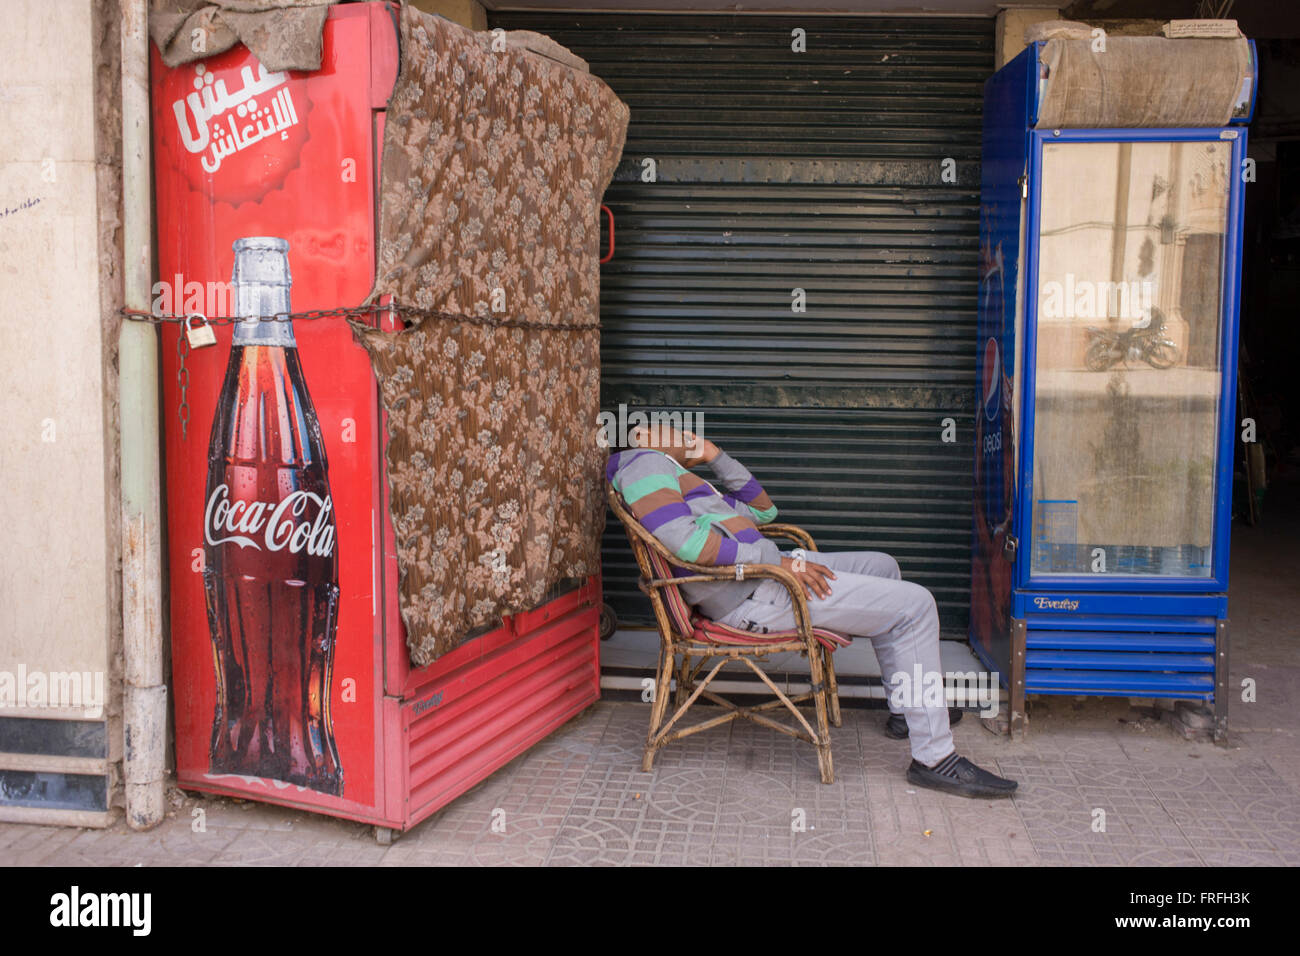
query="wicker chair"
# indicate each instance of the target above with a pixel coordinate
(698, 641)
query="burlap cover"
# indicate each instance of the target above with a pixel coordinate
(1141, 82)
(494, 164)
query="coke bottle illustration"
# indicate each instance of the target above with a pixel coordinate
(270, 566)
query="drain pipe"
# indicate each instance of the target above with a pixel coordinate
(144, 699)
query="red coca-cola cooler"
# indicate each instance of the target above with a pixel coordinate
(290, 673)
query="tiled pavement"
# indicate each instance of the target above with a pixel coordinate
(738, 794)
(733, 794)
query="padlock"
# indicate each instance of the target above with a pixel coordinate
(199, 336)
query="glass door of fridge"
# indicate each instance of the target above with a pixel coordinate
(1131, 241)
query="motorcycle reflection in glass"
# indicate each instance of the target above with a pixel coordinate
(270, 568)
(1147, 343)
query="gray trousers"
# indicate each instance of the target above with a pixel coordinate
(869, 599)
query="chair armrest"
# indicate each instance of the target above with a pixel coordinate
(727, 572)
(790, 531)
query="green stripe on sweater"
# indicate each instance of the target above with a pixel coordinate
(690, 551)
(648, 485)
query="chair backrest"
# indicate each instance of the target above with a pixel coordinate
(651, 559)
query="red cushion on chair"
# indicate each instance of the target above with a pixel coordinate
(678, 609)
(715, 633)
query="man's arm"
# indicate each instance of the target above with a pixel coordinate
(647, 480)
(746, 494)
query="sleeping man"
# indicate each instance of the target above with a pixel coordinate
(858, 593)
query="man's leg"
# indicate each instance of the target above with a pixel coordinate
(901, 621)
(875, 564)
(879, 565)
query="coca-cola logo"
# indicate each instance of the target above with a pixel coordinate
(273, 527)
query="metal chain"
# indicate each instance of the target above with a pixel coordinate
(354, 312)
(365, 312)
(183, 382)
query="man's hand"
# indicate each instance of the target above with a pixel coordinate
(813, 577)
(685, 448)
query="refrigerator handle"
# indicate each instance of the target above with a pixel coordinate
(609, 213)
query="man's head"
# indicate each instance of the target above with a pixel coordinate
(683, 447)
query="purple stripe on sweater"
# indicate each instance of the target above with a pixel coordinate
(748, 535)
(751, 490)
(727, 552)
(611, 467)
(622, 458)
(699, 491)
(664, 514)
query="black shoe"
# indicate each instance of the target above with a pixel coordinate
(954, 774)
(896, 725)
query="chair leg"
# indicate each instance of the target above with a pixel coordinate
(685, 682)
(832, 685)
(818, 677)
(659, 706)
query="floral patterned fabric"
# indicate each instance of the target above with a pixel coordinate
(494, 165)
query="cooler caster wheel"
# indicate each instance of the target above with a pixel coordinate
(384, 836)
(608, 622)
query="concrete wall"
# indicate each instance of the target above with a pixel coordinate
(1010, 38)
(59, 591)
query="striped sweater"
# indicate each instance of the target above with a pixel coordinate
(696, 522)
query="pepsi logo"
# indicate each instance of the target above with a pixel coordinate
(991, 369)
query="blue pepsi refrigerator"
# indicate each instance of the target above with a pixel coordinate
(1106, 381)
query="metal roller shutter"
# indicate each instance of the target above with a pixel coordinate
(821, 171)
